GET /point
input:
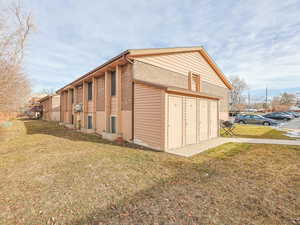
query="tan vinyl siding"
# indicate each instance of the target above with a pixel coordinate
(64, 107)
(100, 94)
(55, 103)
(46, 106)
(184, 63)
(51, 108)
(90, 106)
(153, 74)
(100, 121)
(113, 105)
(149, 116)
(79, 97)
(127, 125)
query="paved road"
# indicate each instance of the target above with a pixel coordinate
(293, 124)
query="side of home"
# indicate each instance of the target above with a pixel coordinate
(159, 98)
(50, 107)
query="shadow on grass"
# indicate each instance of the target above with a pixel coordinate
(174, 200)
(34, 126)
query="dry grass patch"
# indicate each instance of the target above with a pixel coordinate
(51, 175)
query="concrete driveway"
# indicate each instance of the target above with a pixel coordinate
(191, 150)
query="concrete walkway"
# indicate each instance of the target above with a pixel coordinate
(191, 150)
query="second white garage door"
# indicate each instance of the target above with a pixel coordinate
(191, 120)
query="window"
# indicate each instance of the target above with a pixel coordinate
(90, 122)
(72, 119)
(113, 83)
(194, 82)
(90, 91)
(72, 96)
(113, 124)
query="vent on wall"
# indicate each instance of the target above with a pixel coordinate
(78, 108)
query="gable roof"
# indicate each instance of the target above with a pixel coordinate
(134, 53)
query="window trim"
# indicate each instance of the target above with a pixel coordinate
(194, 77)
(113, 83)
(113, 131)
(89, 122)
(90, 91)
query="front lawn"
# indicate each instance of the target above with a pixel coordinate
(253, 131)
(51, 175)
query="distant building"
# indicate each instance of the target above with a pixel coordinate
(298, 98)
(33, 108)
(50, 107)
(159, 98)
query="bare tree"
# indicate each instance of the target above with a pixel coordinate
(47, 91)
(287, 99)
(15, 27)
(236, 95)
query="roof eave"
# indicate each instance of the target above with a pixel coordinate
(85, 76)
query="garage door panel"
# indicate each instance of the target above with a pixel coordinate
(175, 115)
(213, 119)
(203, 119)
(191, 121)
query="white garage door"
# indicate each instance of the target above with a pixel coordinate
(213, 119)
(191, 120)
(175, 116)
(203, 119)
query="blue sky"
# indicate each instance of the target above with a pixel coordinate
(257, 40)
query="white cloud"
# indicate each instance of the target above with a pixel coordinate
(258, 40)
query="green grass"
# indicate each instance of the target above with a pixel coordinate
(252, 131)
(52, 175)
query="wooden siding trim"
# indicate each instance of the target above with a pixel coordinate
(218, 71)
(190, 94)
(177, 90)
(133, 56)
(166, 60)
(107, 101)
(95, 88)
(119, 99)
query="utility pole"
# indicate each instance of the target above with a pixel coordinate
(266, 103)
(248, 99)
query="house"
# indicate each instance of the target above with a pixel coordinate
(32, 108)
(160, 98)
(50, 105)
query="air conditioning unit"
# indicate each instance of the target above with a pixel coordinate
(78, 108)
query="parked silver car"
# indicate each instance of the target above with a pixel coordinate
(255, 119)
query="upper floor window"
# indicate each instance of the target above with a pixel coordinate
(113, 83)
(72, 96)
(90, 91)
